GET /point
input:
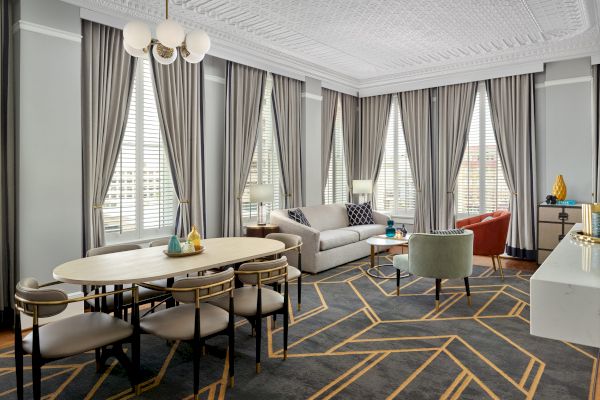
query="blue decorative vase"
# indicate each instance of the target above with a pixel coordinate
(596, 224)
(174, 245)
(390, 231)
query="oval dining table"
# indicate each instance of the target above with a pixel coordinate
(150, 264)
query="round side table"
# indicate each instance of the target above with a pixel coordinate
(261, 230)
(379, 241)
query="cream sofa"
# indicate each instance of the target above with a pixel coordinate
(329, 241)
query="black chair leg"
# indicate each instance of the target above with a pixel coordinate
(98, 355)
(196, 348)
(258, 330)
(36, 365)
(231, 349)
(438, 287)
(300, 281)
(397, 282)
(468, 290)
(286, 317)
(18, 356)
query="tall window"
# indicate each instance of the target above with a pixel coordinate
(481, 186)
(264, 168)
(336, 189)
(141, 201)
(395, 190)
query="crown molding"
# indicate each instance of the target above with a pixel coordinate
(312, 96)
(475, 74)
(567, 81)
(255, 54)
(28, 26)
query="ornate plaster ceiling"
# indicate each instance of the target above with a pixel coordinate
(363, 42)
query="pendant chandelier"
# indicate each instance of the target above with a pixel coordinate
(170, 40)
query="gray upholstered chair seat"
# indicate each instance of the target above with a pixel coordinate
(78, 334)
(293, 272)
(143, 294)
(337, 238)
(366, 231)
(177, 323)
(401, 262)
(244, 301)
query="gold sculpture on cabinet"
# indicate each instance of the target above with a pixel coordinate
(559, 189)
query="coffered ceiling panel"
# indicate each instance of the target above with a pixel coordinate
(360, 42)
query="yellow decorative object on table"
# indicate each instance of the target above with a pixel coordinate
(195, 238)
(559, 189)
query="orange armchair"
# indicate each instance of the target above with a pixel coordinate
(489, 236)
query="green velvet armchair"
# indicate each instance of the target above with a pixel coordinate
(438, 256)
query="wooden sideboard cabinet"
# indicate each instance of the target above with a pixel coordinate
(554, 222)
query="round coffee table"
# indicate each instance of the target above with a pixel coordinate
(379, 241)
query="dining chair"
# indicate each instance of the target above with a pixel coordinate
(293, 244)
(69, 336)
(195, 320)
(146, 296)
(438, 256)
(255, 302)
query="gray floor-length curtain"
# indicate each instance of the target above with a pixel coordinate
(178, 88)
(596, 119)
(328, 114)
(9, 274)
(415, 109)
(106, 82)
(349, 133)
(245, 87)
(287, 112)
(513, 120)
(374, 119)
(455, 105)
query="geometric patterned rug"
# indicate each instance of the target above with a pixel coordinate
(355, 339)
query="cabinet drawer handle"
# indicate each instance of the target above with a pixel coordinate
(563, 215)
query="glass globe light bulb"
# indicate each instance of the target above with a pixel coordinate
(170, 33)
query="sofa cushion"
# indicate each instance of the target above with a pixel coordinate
(298, 216)
(326, 217)
(336, 238)
(360, 214)
(366, 231)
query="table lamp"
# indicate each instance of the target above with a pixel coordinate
(260, 194)
(363, 188)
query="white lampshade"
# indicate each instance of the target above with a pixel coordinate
(160, 54)
(170, 33)
(137, 35)
(261, 193)
(190, 57)
(362, 186)
(135, 52)
(197, 42)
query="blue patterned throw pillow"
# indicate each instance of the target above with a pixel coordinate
(360, 214)
(448, 231)
(298, 216)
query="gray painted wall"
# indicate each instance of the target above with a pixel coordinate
(49, 139)
(564, 127)
(214, 142)
(311, 143)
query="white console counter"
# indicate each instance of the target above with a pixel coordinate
(565, 294)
